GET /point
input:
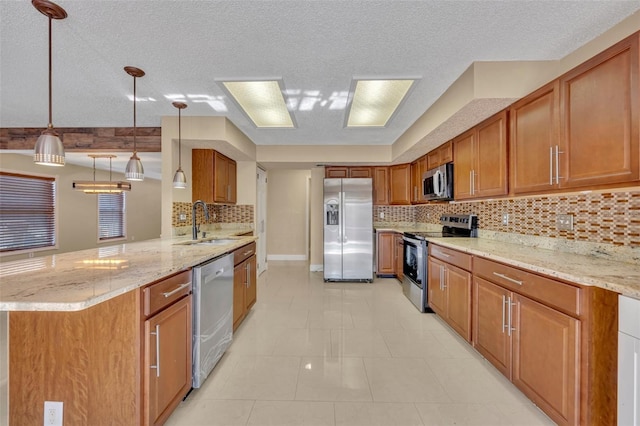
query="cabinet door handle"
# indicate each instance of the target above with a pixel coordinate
(504, 302)
(174, 291)
(550, 165)
(248, 269)
(442, 272)
(508, 278)
(248, 252)
(157, 334)
(558, 152)
(228, 192)
(509, 327)
(444, 254)
(472, 181)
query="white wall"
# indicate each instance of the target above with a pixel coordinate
(78, 212)
(287, 210)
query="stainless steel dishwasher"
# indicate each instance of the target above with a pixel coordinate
(212, 314)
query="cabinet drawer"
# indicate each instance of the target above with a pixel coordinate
(453, 257)
(243, 253)
(553, 293)
(163, 293)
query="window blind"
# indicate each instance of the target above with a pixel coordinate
(27, 212)
(111, 216)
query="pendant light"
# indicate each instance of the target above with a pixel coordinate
(179, 179)
(49, 150)
(101, 187)
(134, 170)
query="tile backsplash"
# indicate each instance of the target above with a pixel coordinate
(218, 213)
(604, 217)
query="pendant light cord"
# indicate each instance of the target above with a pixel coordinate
(134, 116)
(50, 126)
(179, 138)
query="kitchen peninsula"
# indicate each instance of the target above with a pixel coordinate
(75, 330)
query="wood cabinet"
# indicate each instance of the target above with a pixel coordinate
(439, 156)
(534, 124)
(244, 282)
(214, 177)
(399, 255)
(399, 184)
(481, 159)
(580, 130)
(167, 346)
(97, 360)
(418, 167)
(380, 185)
(348, 172)
(600, 118)
(385, 253)
(550, 338)
(449, 284)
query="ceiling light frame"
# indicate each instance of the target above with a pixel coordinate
(352, 92)
(281, 90)
(134, 170)
(49, 150)
(101, 187)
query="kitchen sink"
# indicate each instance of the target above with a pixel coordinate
(218, 242)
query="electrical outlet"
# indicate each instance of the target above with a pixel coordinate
(381, 215)
(53, 413)
(182, 217)
(564, 222)
(505, 218)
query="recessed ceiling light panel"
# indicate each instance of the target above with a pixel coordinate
(376, 101)
(262, 102)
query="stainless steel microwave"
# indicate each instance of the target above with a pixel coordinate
(437, 184)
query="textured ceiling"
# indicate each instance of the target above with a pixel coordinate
(316, 47)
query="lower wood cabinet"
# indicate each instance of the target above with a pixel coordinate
(399, 255)
(450, 288)
(244, 282)
(385, 253)
(124, 361)
(553, 340)
(167, 346)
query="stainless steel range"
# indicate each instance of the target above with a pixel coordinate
(414, 283)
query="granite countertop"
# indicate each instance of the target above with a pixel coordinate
(621, 277)
(584, 269)
(78, 280)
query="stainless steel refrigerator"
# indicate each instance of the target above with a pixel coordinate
(348, 230)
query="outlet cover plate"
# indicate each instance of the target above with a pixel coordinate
(53, 413)
(505, 218)
(564, 222)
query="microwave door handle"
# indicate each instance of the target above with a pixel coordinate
(437, 183)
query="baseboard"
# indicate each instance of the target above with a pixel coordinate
(316, 268)
(286, 257)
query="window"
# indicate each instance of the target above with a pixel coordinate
(111, 214)
(27, 212)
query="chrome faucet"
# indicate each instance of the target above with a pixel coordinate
(196, 228)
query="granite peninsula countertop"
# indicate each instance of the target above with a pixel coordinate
(620, 277)
(81, 279)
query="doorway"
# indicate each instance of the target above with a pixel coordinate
(261, 219)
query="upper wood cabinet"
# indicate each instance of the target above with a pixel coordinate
(380, 185)
(336, 172)
(418, 167)
(533, 123)
(481, 159)
(399, 182)
(582, 129)
(214, 177)
(347, 172)
(599, 118)
(439, 156)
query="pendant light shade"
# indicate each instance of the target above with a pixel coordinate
(134, 170)
(49, 150)
(179, 178)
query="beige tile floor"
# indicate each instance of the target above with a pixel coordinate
(311, 353)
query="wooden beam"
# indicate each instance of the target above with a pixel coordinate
(80, 139)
